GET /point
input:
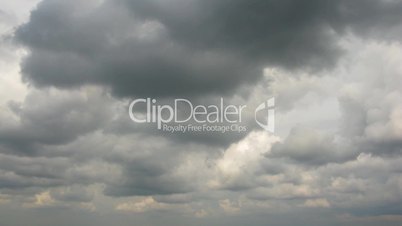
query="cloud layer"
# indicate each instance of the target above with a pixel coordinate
(188, 48)
(69, 154)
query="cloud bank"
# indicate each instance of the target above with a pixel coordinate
(69, 153)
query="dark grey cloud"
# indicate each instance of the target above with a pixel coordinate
(153, 168)
(62, 149)
(187, 48)
(48, 168)
(14, 182)
(50, 118)
(125, 52)
(145, 179)
(72, 194)
(22, 174)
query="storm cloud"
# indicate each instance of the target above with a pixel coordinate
(70, 154)
(189, 48)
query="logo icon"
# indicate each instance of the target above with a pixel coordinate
(267, 106)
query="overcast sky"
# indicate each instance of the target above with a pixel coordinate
(70, 155)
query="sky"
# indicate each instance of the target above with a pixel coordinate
(71, 155)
